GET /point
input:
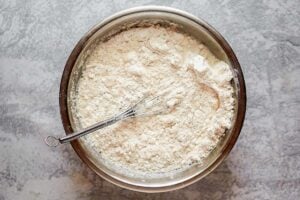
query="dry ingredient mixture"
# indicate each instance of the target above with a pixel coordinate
(196, 86)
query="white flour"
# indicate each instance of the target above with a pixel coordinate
(155, 59)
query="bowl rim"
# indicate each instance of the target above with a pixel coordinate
(63, 97)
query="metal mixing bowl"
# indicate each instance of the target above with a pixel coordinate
(189, 24)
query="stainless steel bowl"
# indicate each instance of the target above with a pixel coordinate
(189, 24)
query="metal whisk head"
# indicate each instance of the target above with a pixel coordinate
(147, 106)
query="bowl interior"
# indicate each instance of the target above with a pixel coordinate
(198, 29)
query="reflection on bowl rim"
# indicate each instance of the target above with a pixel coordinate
(241, 98)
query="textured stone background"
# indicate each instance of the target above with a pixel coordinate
(36, 37)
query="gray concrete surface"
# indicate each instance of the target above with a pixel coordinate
(36, 37)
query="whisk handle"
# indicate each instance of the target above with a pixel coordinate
(53, 141)
(88, 130)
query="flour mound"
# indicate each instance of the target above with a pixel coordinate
(195, 84)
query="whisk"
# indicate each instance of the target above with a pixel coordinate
(147, 106)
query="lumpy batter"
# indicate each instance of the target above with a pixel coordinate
(194, 83)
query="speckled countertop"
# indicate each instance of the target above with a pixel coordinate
(36, 37)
